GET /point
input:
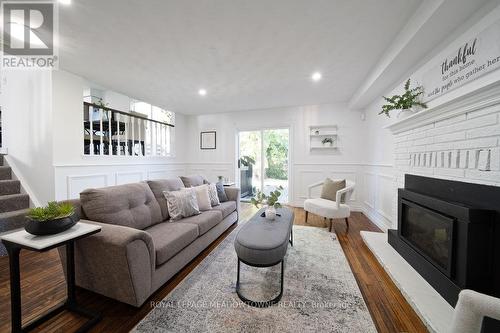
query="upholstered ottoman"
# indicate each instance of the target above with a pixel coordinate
(263, 243)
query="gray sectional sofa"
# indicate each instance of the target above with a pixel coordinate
(139, 249)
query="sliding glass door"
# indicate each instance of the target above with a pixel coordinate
(263, 161)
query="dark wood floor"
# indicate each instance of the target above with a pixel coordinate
(44, 286)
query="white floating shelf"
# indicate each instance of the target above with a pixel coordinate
(320, 132)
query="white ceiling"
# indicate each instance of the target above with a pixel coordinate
(246, 54)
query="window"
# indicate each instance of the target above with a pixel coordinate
(145, 130)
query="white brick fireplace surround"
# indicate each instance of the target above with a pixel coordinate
(458, 140)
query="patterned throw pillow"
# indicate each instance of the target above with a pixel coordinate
(202, 197)
(181, 203)
(330, 188)
(212, 193)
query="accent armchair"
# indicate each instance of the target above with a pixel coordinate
(471, 309)
(327, 208)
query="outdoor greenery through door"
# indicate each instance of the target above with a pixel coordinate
(263, 161)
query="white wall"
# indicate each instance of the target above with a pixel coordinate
(306, 167)
(28, 130)
(381, 148)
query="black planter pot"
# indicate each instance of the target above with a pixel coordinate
(50, 227)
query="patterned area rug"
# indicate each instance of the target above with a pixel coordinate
(320, 293)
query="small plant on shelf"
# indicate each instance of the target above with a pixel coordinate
(326, 141)
(406, 101)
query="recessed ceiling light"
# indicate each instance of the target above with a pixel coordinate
(202, 92)
(65, 2)
(316, 76)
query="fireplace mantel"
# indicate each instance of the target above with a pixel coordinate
(485, 97)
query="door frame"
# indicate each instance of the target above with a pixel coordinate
(290, 153)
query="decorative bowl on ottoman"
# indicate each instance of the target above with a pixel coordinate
(52, 219)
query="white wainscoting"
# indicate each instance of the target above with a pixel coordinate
(375, 194)
(72, 179)
(380, 195)
(212, 170)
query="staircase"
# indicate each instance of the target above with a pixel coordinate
(13, 204)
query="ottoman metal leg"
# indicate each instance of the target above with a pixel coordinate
(263, 304)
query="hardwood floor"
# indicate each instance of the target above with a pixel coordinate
(43, 286)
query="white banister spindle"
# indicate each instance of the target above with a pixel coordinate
(91, 130)
(110, 146)
(153, 139)
(101, 136)
(141, 137)
(118, 149)
(168, 140)
(133, 120)
(125, 136)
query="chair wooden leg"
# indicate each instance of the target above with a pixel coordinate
(307, 214)
(331, 223)
(347, 223)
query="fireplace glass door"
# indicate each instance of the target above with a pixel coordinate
(429, 233)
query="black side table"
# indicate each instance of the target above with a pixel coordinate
(17, 240)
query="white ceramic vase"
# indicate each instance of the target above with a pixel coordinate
(405, 113)
(270, 213)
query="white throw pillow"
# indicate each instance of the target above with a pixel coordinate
(181, 203)
(202, 197)
(212, 192)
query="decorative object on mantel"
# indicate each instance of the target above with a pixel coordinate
(323, 137)
(208, 140)
(405, 103)
(327, 142)
(270, 200)
(52, 219)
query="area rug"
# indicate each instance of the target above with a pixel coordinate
(320, 293)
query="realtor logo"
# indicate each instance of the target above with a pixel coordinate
(28, 34)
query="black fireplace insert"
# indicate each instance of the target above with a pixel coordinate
(449, 232)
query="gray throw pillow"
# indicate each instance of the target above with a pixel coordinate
(182, 203)
(221, 193)
(330, 188)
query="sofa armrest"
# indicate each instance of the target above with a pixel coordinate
(117, 262)
(233, 194)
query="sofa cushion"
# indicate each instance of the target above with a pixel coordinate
(205, 221)
(226, 208)
(159, 186)
(130, 205)
(192, 181)
(169, 238)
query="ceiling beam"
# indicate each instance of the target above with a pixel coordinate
(433, 22)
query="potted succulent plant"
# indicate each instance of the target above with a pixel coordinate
(271, 202)
(405, 103)
(327, 142)
(51, 219)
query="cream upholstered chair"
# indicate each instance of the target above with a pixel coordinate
(471, 309)
(327, 208)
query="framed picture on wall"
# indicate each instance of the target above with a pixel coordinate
(208, 140)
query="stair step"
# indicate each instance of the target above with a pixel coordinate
(13, 220)
(5, 173)
(10, 187)
(1, 160)
(11, 202)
